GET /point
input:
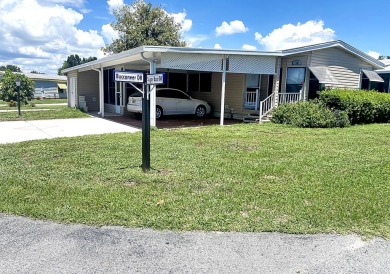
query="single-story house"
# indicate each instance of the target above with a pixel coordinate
(385, 75)
(47, 86)
(234, 82)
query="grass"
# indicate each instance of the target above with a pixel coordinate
(235, 178)
(48, 101)
(43, 109)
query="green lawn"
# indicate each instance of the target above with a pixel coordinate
(235, 178)
(48, 101)
(43, 109)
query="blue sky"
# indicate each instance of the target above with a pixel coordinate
(40, 34)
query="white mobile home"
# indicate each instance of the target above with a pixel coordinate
(234, 82)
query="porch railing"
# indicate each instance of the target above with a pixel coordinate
(266, 106)
(285, 98)
(250, 99)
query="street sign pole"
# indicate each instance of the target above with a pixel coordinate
(132, 77)
(145, 129)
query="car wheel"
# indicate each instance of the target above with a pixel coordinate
(200, 112)
(159, 112)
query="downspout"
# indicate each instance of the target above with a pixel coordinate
(152, 88)
(101, 92)
(223, 90)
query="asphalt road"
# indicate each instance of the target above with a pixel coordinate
(30, 246)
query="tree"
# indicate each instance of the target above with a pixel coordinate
(8, 88)
(140, 24)
(384, 57)
(11, 68)
(74, 60)
(36, 72)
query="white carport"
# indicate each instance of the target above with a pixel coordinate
(151, 58)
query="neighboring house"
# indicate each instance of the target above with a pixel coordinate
(234, 82)
(47, 86)
(385, 74)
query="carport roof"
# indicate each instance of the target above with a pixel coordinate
(134, 55)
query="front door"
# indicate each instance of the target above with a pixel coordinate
(252, 92)
(72, 92)
(295, 79)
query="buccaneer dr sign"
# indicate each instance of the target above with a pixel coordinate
(129, 76)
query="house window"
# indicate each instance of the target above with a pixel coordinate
(109, 86)
(199, 82)
(177, 81)
(295, 79)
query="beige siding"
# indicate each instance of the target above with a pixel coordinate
(88, 86)
(235, 86)
(344, 66)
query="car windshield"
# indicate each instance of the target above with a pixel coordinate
(172, 93)
(137, 94)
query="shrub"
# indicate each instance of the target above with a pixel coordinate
(362, 107)
(12, 103)
(309, 114)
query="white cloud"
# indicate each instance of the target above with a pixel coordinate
(181, 19)
(109, 33)
(374, 54)
(217, 46)
(233, 27)
(291, 36)
(43, 41)
(74, 3)
(114, 4)
(248, 47)
(194, 41)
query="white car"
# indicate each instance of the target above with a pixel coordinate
(170, 101)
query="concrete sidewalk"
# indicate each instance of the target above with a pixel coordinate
(18, 131)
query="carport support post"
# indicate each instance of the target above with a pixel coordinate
(145, 129)
(223, 91)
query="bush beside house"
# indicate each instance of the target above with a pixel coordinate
(309, 114)
(362, 107)
(336, 108)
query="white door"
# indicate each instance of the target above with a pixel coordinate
(72, 92)
(118, 97)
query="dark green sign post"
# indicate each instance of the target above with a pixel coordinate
(145, 129)
(151, 79)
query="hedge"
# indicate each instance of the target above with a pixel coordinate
(310, 114)
(362, 107)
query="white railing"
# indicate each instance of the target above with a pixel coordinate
(285, 98)
(266, 106)
(250, 99)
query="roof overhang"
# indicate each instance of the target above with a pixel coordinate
(134, 57)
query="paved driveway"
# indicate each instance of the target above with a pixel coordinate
(18, 131)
